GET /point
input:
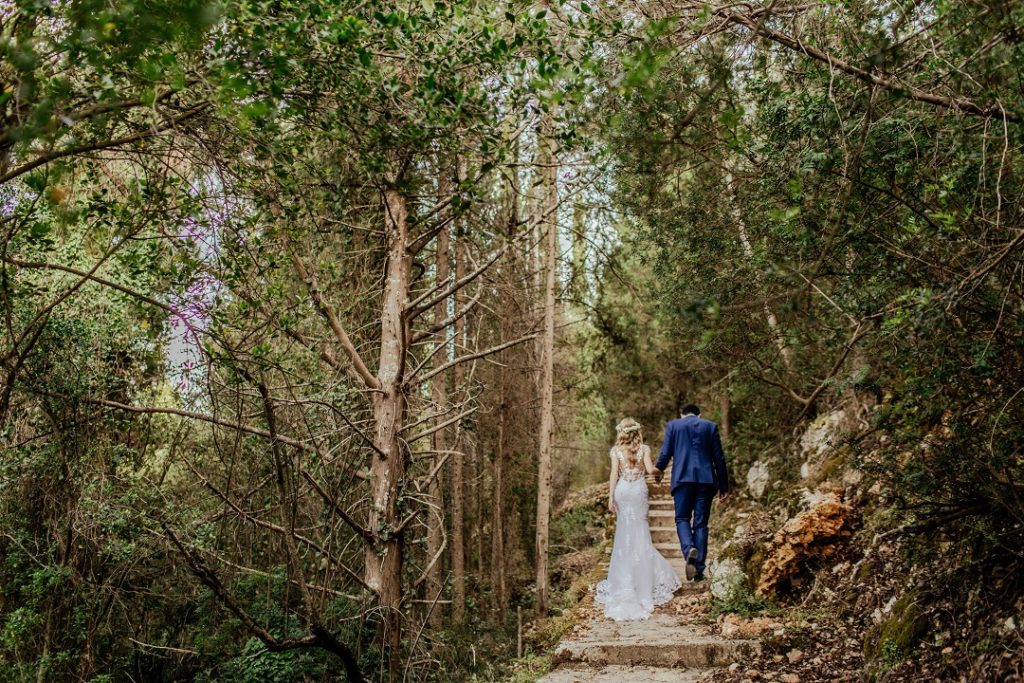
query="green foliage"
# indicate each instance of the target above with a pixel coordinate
(743, 601)
(529, 669)
(255, 664)
(579, 528)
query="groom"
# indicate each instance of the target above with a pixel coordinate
(698, 472)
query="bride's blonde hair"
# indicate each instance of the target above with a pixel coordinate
(629, 437)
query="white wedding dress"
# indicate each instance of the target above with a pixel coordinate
(639, 577)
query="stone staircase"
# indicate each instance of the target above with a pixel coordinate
(675, 645)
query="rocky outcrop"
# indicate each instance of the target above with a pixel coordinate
(816, 534)
(727, 578)
(757, 479)
(819, 443)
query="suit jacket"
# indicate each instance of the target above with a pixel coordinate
(695, 449)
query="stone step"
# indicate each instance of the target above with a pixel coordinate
(679, 565)
(664, 640)
(622, 674)
(662, 504)
(664, 534)
(669, 549)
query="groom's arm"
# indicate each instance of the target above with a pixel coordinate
(666, 452)
(718, 460)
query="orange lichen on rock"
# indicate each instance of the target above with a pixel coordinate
(817, 533)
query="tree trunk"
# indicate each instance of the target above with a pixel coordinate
(497, 518)
(511, 269)
(725, 412)
(578, 286)
(547, 367)
(773, 323)
(458, 495)
(383, 558)
(439, 397)
(478, 509)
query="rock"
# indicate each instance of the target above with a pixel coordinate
(821, 435)
(888, 606)
(726, 578)
(819, 441)
(852, 477)
(734, 668)
(817, 533)
(795, 656)
(755, 628)
(753, 674)
(757, 478)
(730, 630)
(841, 568)
(789, 678)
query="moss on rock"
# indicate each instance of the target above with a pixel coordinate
(753, 565)
(893, 639)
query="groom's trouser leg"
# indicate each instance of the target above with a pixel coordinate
(684, 499)
(703, 495)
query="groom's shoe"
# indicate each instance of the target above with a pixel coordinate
(691, 564)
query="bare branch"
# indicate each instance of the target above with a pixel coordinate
(345, 517)
(419, 306)
(473, 356)
(961, 104)
(249, 429)
(95, 147)
(319, 636)
(91, 276)
(439, 427)
(450, 320)
(362, 372)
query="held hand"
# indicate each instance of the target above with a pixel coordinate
(724, 498)
(658, 474)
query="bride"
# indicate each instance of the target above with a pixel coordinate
(639, 578)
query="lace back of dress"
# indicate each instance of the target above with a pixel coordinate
(632, 472)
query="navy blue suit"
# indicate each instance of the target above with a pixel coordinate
(698, 472)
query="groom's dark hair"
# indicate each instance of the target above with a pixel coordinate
(691, 408)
